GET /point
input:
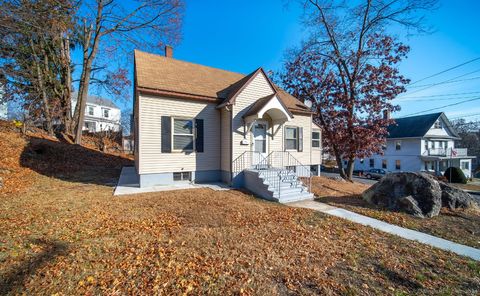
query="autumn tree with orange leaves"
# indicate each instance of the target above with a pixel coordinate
(348, 68)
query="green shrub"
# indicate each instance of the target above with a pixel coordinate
(457, 175)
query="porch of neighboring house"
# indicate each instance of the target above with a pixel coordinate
(442, 159)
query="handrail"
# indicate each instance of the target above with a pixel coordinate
(271, 167)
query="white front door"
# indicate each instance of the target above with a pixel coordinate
(259, 134)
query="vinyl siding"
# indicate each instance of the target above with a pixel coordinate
(409, 156)
(152, 160)
(258, 88)
(226, 138)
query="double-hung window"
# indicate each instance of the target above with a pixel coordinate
(90, 110)
(291, 138)
(398, 145)
(316, 139)
(183, 134)
(106, 113)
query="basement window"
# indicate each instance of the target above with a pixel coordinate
(182, 176)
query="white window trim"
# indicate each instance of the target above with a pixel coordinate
(400, 142)
(172, 133)
(88, 109)
(319, 139)
(285, 137)
(103, 112)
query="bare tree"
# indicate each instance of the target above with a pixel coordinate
(349, 41)
(116, 25)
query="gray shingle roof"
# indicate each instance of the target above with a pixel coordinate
(97, 101)
(415, 126)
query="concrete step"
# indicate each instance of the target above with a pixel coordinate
(297, 197)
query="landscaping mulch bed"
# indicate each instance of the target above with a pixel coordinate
(461, 226)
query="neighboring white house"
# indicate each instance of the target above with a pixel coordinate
(195, 123)
(420, 143)
(100, 114)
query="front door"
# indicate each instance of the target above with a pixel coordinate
(259, 142)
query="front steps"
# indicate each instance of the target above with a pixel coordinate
(278, 185)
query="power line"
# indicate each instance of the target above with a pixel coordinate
(453, 104)
(464, 116)
(438, 99)
(443, 95)
(451, 80)
(446, 70)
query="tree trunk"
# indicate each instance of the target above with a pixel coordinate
(42, 90)
(67, 83)
(89, 54)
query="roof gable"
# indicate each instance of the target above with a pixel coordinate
(417, 126)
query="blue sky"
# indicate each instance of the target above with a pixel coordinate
(242, 35)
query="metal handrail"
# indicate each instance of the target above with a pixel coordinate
(272, 166)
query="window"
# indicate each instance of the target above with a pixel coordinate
(426, 144)
(465, 165)
(106, 113)
(291, 138)
(398, 145)
(90, 126)
(90, 110)
(314, 170)
(316, 139)
(291, 168)
(182, 176)
(397, 165)
(429, 165)
(362, 161)
(438, 124)
(384, 163)
(372, 162)
(384, 147)
(183, 137)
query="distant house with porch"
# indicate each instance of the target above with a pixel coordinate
(101, 114)
(420, 143)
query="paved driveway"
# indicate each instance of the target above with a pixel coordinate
(355, 178)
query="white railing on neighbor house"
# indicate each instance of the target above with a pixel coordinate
(273, 167)
(450, 152)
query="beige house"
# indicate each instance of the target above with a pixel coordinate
(195, 123)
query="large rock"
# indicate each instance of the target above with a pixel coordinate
(418, 194)
(390, 192)
(455, 198)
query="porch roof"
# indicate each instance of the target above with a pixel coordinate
(266, 105)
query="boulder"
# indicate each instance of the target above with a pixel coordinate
(454, 198)
(420, 187)
(410, 206)
(418, 194)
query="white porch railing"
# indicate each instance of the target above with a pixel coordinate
(450, 152)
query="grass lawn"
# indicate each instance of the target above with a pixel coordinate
(462, 226)
(66, 234)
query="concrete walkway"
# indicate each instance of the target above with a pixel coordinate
(392, 229)
(128, 183)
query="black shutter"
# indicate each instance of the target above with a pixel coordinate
(166, 134)
(300, 139)
(199, 138)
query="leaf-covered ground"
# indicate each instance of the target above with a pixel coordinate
(462, 226)
(65, 234)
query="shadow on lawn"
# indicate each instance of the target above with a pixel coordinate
(14, 278)
(73, 163)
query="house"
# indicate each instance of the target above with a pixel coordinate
(195, 123)
(100, 114)
(420, 143)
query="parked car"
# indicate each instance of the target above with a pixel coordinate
(358, 172)
(375, 173)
